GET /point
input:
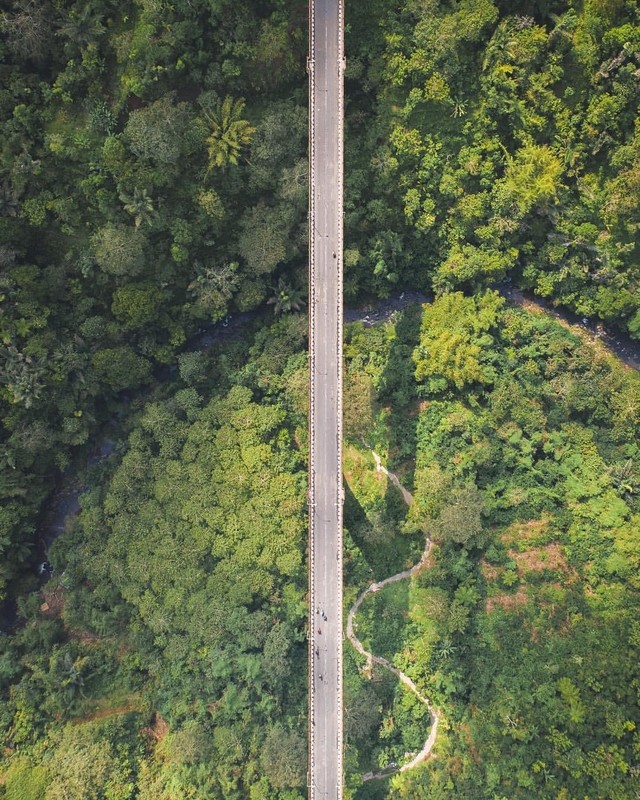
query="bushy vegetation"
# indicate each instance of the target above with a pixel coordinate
(523, 626)
(177, 630)
(500, 138)
(153, 181)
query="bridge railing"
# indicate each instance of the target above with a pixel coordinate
(339, 388)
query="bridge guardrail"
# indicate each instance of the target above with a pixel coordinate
(312, 368)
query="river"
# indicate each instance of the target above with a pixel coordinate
(64, 503)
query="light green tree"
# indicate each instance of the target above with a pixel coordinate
(229, 133)
(158, 133)
(119, 249)
(212, 288)
(265, 238)
(532, 178)
(455, 342)
(284, 756)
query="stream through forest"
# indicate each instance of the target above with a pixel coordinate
(64, 503)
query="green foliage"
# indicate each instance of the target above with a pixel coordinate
(460, 519)
(497, 132)
(229, 132)
(531, 178)
(136, 305)
(284, 758)
(86, 765)
(119, 250)
(285, 298)
(518, 627)
(484, 139)
(455, 346)
(266, 240)
(223, 482)
(120, 368)
(139, 205)
(24, 781)
(157, 133)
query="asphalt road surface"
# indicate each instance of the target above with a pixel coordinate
(326, 68)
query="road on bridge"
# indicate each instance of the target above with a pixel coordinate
(326, 69)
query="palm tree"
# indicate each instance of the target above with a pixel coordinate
(81, 28)
(459, 107)
(286, 298)
(70, 676)
(229, 132)
(139, 205)
(624, 478)
(22, 376)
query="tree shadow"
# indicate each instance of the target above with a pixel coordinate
(399, 392)
(373, 790)
(383, 548)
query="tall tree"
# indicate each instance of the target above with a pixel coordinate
(229, 132)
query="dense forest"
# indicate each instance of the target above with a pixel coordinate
(153, 185)
(519, 441)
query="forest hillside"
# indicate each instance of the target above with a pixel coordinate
(153, 217)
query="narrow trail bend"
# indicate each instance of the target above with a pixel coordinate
(373, 659)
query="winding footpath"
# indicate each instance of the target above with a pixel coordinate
(372, 659)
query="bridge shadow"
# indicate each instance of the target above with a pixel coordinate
(381, 545)
(383, 619)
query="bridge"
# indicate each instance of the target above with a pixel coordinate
(326, 69)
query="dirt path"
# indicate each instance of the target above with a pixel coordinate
(408, 499)
(372, 659)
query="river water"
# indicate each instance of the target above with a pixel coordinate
(64, 503)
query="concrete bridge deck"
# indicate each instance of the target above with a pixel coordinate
(326, 69)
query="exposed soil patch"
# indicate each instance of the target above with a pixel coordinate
(83, 636)
(489, 572)
(507, 602)
(52, 601)
(537, 559)
(157, 729)
(532, 532)
(104, 713)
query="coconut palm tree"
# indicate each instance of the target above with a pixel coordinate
(286, 298)
(81, 28)
(229, 132)
(139, 205)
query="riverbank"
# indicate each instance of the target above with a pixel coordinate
(64, 502)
